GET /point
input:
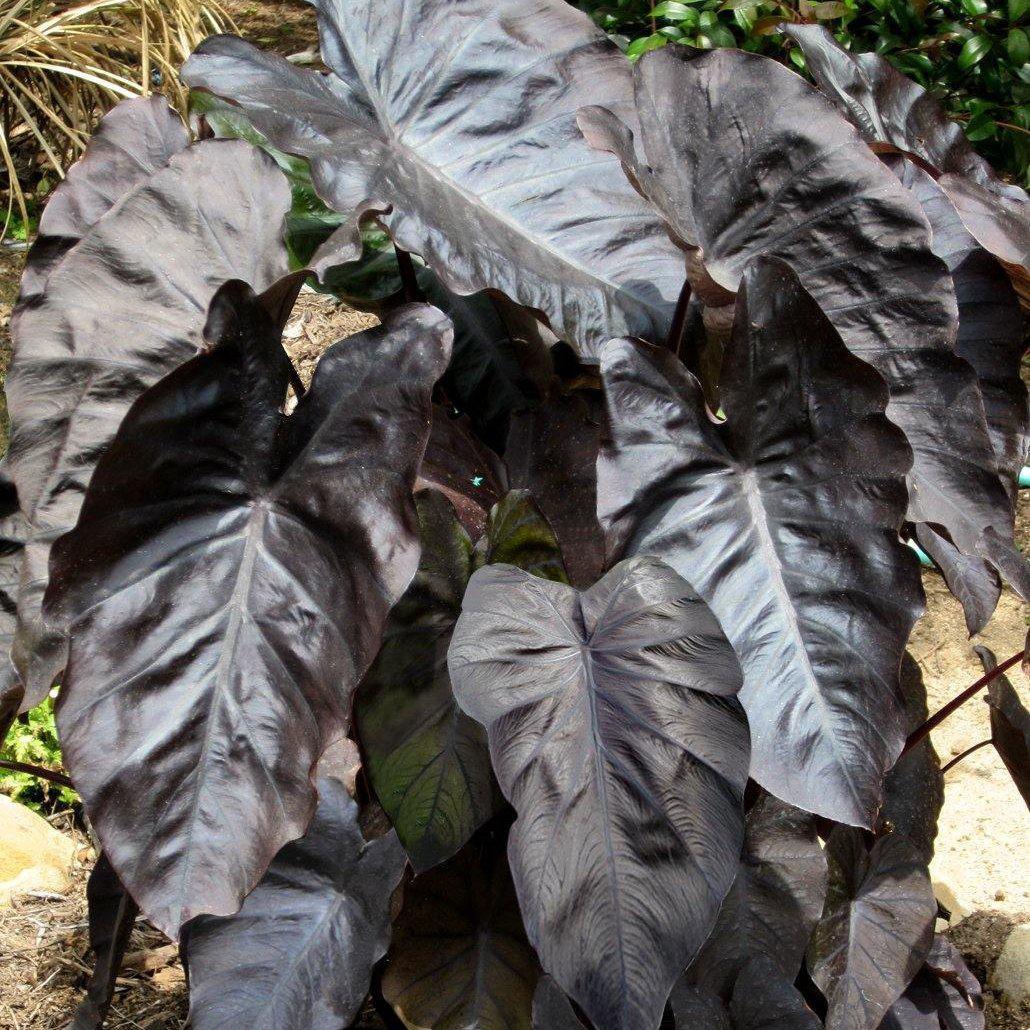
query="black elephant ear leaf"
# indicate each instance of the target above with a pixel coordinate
(112, 915)
(92, 342)
(615, 734)
(471, 138)
(135, 139)
(764, 999)
(774, 903)
(693, 1006)
(1010, 724)
(13, 532)
(914, 788)
(944, 995)
(733, 188)
(876, 929)
(889, 108)
(785, 518)
(460, 957)
(552, 1009)
(193, 522)
(299, 953)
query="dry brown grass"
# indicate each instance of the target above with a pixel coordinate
(62, 64)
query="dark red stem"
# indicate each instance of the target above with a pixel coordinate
(409, 280)
(37, 770)
(679, 320)
(965, 754)
(920, 732)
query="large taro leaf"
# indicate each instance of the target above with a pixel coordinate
(944, 995)
(913, 790)
(112, 915)
(226, 587)
(427, 759)
(746, 158)
(1010, 725)
(889, 109)
(774, 903)
(13, 530)
(460, 957)
(785, 519)
(615, 734)
(299, 954)
(876, 928)
(123, 307)
(135, 139)
(469, 151)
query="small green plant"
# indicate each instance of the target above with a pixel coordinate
(33, 740)
(974, 55)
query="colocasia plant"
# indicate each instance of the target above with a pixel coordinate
(542, 662)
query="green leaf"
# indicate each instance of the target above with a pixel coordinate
(973, 51)
(644, 44)
(672, 10)
(974, 7)
(1017, 9)
(1018, 44)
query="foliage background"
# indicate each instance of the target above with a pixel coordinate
(974, 54)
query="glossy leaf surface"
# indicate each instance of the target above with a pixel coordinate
(1010, 725)
(774, 903)
(135, 139)
(471, 139)
(13, 530)
(460, 957)
(299, 953)
(226, 588)
(112, 915)
(98, 336)
(615, 734)
(427, 759)
(748, 159)
(876, 928)
(785, 519)
(763, 999)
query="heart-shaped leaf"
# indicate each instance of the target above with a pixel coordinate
(785, 518)
(472, 138)
(427, 760)
(299, 954)
(112, 915)
(185, 595)
(774, 903)
(1010, 725)
(794, 180)
(135, 139)
(460, 957)
(876, 928)
(615, 734)
(98, 336)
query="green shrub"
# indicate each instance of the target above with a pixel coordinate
(34, 740)
(974, 55)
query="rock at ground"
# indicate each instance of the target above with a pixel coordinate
(1012, 970)
(34, 856)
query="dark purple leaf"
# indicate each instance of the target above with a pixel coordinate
(13, 530)
(694, 1007)
(774, 902)
(1010, 724)
(299, 954)
(226, 588)
(615, 734)
(460, 957)
(135, 139)
(763, 999)
(427, 760)
(125, 306)
(913, 791)
(552, 453)
(470, 475)
(889, 108)
(876, 928)
(785, 519)
(468, 149)
(552, 1010)
(974, 582)
(944, 995)
(112, 915)
(746, 158)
